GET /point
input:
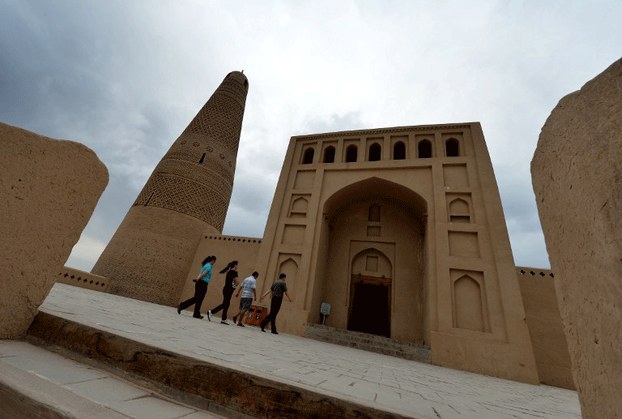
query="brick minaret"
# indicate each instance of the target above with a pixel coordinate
(185, 198)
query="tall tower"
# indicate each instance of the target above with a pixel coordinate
(185, 198)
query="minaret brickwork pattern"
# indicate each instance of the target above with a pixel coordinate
(187, 196)
(195, 177)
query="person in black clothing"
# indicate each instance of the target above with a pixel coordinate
(231, 283)
(200, 288)
(278, 289)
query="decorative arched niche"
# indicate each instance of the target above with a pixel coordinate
(299, 206)
(469, 305)
(288, 264)
(459, 211)
(372, 262)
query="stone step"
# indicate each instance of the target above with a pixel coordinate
(264, 375)
(367, 342)
(205, 385)
(35, 382)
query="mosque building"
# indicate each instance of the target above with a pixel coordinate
(399, 232)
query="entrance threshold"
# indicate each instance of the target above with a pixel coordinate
(368, 342)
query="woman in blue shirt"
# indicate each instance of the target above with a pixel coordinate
(200, 288)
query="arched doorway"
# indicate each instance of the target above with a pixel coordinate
(370, 293)
(372, 263)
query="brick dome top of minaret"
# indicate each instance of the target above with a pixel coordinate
(220, 119)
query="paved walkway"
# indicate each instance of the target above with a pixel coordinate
(80, 390)
(391, 384)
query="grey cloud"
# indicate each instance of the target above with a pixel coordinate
(529, 250)
(334, 122)
(125, 78)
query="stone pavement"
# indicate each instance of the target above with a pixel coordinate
(51, 382)
(393, 385)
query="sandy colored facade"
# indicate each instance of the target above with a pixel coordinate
(404, 238)
(400, 231)
(578, 184)
(550, 347)
(45, 204)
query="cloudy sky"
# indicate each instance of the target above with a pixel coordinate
(126, 77)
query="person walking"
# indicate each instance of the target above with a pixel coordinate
(278, 289)
(247, 288)
(200, 288)
(230, 285)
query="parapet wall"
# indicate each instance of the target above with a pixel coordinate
(226, 249)
(545, 326)
(78, 278)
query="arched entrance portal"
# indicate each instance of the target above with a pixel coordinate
(372, 264)
(370, 295)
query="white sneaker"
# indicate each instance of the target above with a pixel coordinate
(209, 315)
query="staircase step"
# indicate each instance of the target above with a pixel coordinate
(367, 342)
(35, 382)
(202, 384)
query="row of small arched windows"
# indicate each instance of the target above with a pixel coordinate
(424, 151)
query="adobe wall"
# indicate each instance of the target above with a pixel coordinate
(48, 191)
(550, 348)
(226, 249)
(577, 179)
(82, 279)
(149, 255)
(458, 248)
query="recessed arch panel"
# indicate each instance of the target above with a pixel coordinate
(468, 308)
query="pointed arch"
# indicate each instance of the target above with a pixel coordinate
(452, 147)
(358, 270)
(299, 207)
(468, 309)
(375, 152)
(459, 211)
(399, 151)
(329, 154)
(424, 149)
(300, 204)
(459, 206)
(373, 188)
(308, 156)
(351, 153)
(372, 261)
(289, 267)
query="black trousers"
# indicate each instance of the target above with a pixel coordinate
(200, 289)
(275, 306)
(227, 293)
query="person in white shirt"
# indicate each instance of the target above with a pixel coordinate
(247, 288)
